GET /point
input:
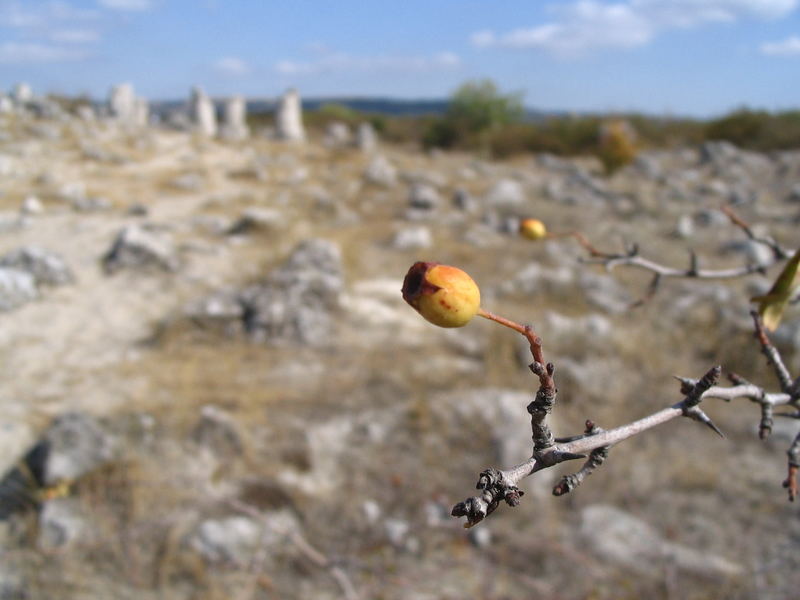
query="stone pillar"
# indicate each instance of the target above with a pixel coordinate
(21, 93)
(289, 118)
(141, 113)
(122, 103)
(234, 119)
(203, 114)
(366, 138)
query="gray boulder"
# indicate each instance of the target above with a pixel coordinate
(366, 138)
(76, 444)
(337, 135)
(234, 539)
(16, 288)
(506, 193)
(137, 247)
(619, 537)
(62, 522)
(413, 238)
(296, 302)
(381, 172)
(256, 219)
(423, 196)
(46, 267)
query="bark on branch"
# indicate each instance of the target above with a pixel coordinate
(502, 485)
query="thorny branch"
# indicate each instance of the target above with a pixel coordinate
(596, 458)
(789, 396)
(502, 485)
(631, 257)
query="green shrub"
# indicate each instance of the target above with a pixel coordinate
(616, 145)
(476, 111)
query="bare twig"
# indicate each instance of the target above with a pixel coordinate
(772, 354)
(778, 251)
(498, 485)
(794, 464)
(631, 258)
(596, 458)
(767, 401)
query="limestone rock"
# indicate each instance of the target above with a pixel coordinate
(234, 539)
(202, 113)
(289, 118)
(16, 288)
(754, 252)
(75, 444)
(234, 119)
(296, 302)
(413, 238)
(222, 311)
(137, 247)
(22, 93)
(46, 267)
(618, 536)
(684, 228)
(337, 135)
(122, 102)
(366, 138)
(381, 172)
(62, 522)
(506, 193)
(31, 206)
(257, 220)
(218, 432)
(423, 196)
(501, 411)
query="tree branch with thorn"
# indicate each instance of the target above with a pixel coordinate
(448, 297)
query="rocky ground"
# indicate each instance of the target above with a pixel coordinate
(205, 346)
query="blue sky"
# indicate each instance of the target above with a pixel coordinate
(693, 57)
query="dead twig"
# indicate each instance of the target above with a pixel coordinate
(498, 485)
(632, 258)
(789, 396)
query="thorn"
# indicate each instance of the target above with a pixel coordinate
(693, 263)
(696, 414)
(686, 384)
(736, 379)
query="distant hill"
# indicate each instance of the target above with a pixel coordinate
(383, 106)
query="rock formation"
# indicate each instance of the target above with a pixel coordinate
(289, 118)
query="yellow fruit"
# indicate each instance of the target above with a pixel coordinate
(533, 229)
(446, 296)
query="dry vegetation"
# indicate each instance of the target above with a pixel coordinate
(363, 441)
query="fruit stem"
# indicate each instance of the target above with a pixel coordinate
(503, 321)
(580, 238)
(545, 375)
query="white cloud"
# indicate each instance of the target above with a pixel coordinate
(230, 65)
(18, 15)
(126, 5)
(340, 61)
(75, 36)
(788, 47)
(483, 39)
(584, 25)
(15, 53)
